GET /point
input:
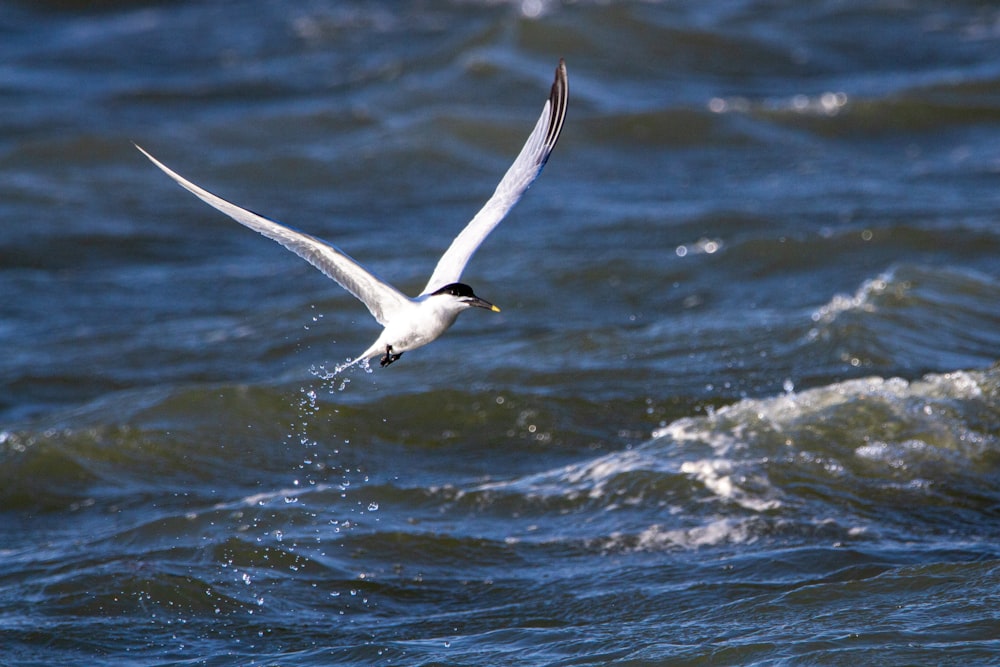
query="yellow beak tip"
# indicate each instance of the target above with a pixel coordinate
(495, 309)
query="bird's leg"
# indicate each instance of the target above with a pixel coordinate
(389, 357)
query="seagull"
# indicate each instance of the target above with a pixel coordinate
(411, 323)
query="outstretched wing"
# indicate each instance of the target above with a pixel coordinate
(382, 299)
(525, 169)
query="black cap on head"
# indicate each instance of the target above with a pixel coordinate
(455, 289)
(465, 294)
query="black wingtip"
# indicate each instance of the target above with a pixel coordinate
(558, 98)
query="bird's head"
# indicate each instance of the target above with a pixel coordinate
(460, 293)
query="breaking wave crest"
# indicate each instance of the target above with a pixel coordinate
(783, 467)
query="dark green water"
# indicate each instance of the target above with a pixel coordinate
(741, 406)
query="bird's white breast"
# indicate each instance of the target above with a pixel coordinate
(422, 322)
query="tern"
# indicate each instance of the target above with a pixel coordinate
(411, 323)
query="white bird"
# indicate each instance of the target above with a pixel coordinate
(411, 323)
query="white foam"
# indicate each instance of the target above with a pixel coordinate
(863, 300)
(717, 475)
(712, 533)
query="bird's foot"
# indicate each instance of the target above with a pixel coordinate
(388, 357)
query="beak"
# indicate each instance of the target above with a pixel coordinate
(482, 303)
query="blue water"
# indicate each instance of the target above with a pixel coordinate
(741, 406)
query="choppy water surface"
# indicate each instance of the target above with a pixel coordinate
(741, 406)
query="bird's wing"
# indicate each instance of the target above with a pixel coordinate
(382, 299)
(525, 169)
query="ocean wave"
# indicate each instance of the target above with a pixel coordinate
(758, 468)
(832, 461)
(888, 319)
